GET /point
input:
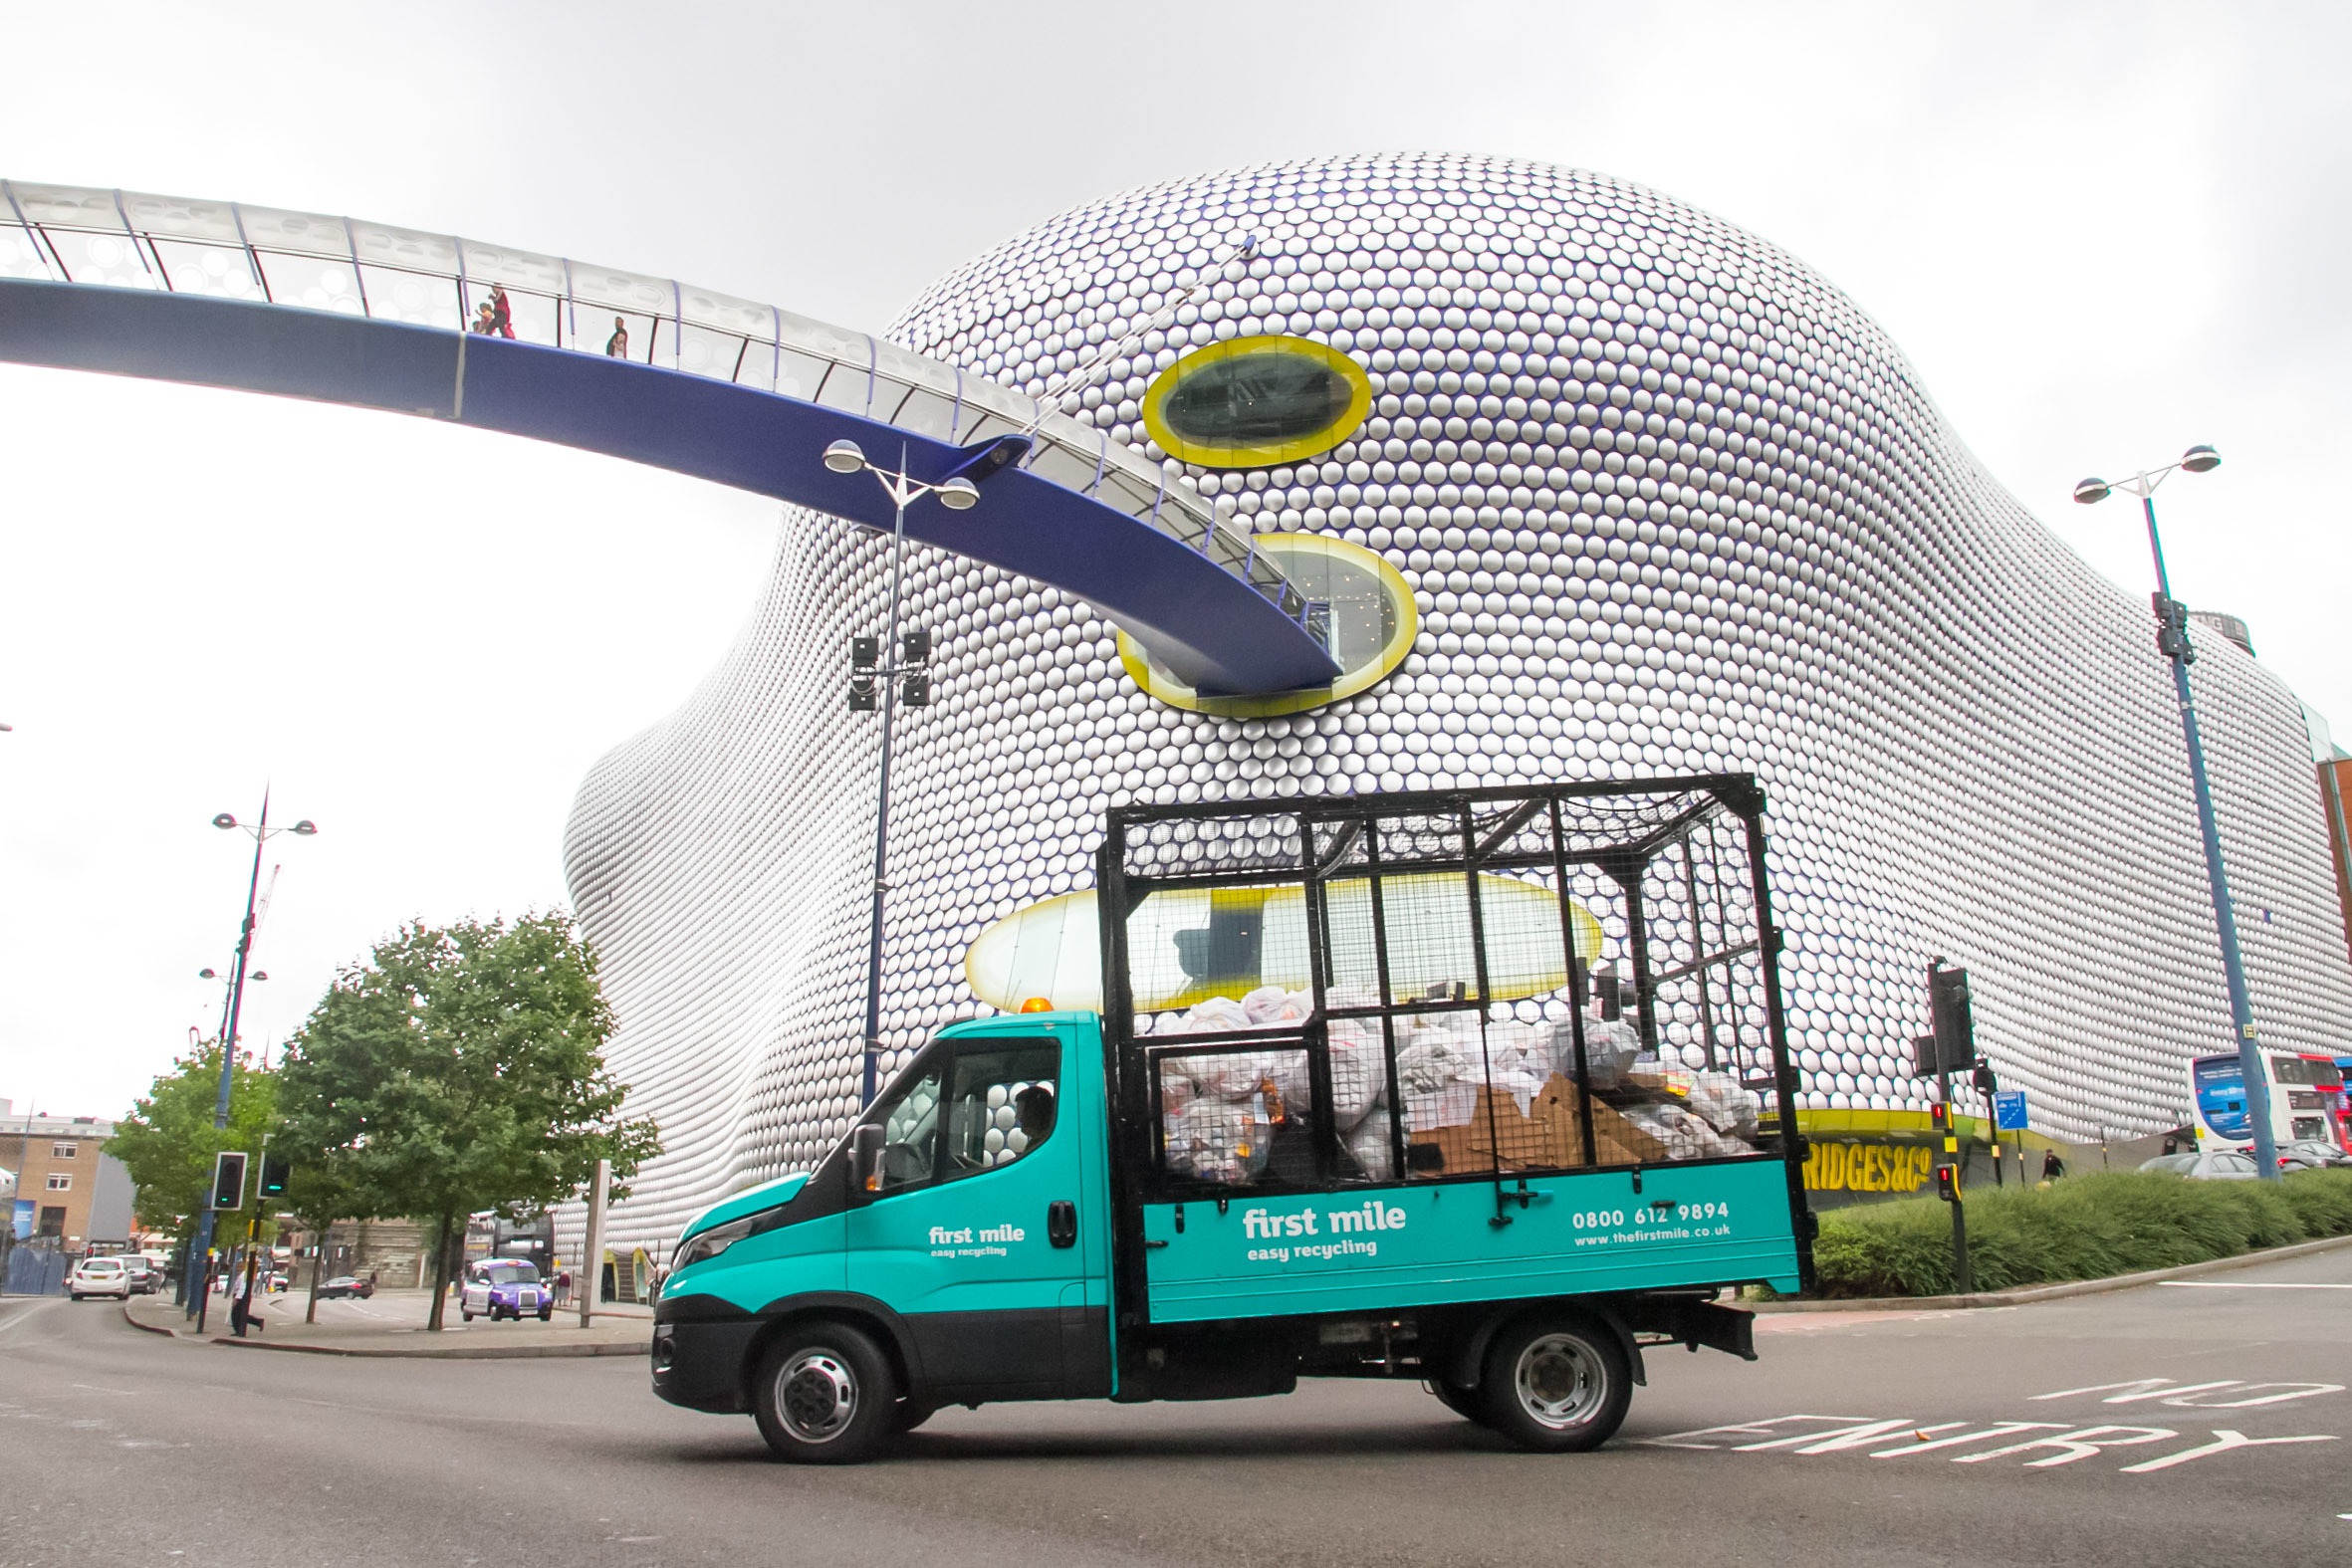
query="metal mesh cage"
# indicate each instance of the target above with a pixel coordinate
(1423, 986)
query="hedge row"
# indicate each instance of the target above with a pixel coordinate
(2081, 1227)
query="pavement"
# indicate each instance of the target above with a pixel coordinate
(393, 1323)
(2194, 1422)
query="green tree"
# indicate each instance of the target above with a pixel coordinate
(168, 1140)
(317, 1196)
(458, 1069)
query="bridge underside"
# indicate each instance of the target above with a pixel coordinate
(1216, 629)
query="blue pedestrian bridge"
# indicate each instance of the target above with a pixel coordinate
(657, 372)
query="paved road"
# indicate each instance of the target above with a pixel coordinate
(2171, 1424)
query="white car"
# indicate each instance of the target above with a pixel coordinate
(99, 1276)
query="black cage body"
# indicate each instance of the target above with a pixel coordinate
(1472, 985)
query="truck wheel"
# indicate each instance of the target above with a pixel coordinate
(824, 1396)
(1557, 1383)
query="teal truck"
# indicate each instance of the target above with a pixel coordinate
(1482, 1089)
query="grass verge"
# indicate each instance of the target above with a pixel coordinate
(2080, 1228)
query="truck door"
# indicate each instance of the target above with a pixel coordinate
(973, 1233)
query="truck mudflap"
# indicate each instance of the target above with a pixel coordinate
(1692, 1321)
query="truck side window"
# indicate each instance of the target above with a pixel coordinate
(910, 1123)
(1002, 1101)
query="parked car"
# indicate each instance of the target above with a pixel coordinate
(144, 1277)
(346, 1286)
(500, 1287)
(2218, 1165)
(2311, 1154)
(99, 1276)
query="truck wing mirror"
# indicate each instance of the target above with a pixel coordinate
(865, 1159)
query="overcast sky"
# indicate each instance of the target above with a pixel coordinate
(2101, 232)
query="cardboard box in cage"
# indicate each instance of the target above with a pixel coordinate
(1549, 1136)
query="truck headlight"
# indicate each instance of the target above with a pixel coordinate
(702, 1247)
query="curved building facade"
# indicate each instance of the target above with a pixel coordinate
(1666, 502)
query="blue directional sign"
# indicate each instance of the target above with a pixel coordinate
(2009, 1110)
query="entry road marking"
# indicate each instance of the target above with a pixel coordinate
(2057, 1442)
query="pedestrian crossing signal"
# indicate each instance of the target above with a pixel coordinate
(228, 1178)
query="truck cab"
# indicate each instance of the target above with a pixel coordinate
(1214, 1186)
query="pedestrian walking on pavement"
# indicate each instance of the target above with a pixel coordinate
(240, 1300)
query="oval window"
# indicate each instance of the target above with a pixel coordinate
(1253, 402)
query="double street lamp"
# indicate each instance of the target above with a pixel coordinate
(2172, 640)
(200, 1252)
(957, 494)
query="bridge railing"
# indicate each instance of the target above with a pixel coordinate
(228, 249)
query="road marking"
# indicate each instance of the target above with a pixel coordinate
(1997, 1429)
(2223, 1441)
(2198, 1395)
(1811, 1435)
(2244, 1285)
(24, 1312)
(2081, 1444)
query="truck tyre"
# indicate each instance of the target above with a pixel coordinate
(1556, 1382)
(825, 1395)
(1462, 1402)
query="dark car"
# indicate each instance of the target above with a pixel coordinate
(346, 1286)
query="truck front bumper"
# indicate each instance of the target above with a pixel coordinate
(698, 1358)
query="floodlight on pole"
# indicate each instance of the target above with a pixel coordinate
(197, 1266)
(958, 493)
(2171, 641)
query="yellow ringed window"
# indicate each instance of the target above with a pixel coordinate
(1257, 402)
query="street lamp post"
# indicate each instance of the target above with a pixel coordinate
(2172, 640)
(199, 1254)
(957, 494)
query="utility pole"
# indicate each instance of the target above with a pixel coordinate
(591, 1275)
(1952, 1047)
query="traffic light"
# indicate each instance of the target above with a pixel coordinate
(1955, 1031)
(914, 686)
(1986, 1081)
(1946, 1151)
(2172, 629)
(228, 1178)
(274, 1173)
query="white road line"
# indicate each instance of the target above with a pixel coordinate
(2242, 1284)
(22, 1312)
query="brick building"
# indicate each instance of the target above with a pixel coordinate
(69, 1192)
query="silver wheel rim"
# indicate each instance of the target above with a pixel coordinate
(815, 1396)
(1560, 1381)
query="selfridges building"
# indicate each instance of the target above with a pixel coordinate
(1665, 502)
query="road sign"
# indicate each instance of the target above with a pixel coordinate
(2009, 1110)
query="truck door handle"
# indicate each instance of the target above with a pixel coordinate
(1061, 1222)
